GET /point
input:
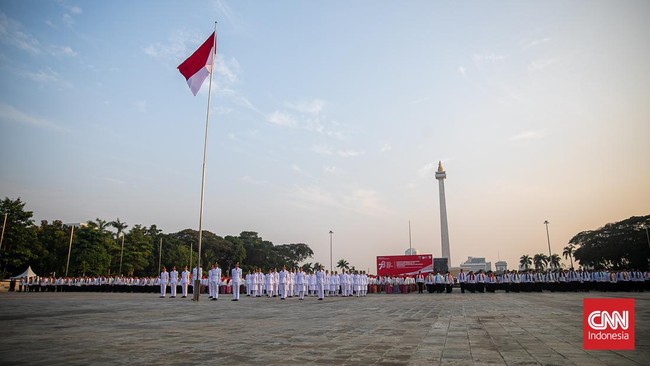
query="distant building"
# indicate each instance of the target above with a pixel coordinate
(501, 266)
(411, 251)
(476, 264)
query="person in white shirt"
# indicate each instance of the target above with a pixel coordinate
(320, 283)
(173, 281)
(249, 283)
(291, 283)
(185, 280)
(462, 279)
(419, 279)
(215, 281)
(334, 283)
(343, 283)
(236, 280)
(259, 276)
(211, 284)
(276, 282)
(300, 283)
(282, 282)
(164, 280)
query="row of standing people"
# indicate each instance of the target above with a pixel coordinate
(322, 283)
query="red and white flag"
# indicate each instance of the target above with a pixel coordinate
(199, 66)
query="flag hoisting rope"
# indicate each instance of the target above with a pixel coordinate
(196, 69)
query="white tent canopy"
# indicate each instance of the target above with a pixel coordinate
(28, 273)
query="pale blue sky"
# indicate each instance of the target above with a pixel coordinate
(332, 115)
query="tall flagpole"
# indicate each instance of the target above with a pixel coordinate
(197, 280)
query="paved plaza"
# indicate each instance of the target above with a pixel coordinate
(426, 329)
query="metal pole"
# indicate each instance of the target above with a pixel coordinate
(121, 254)
(3, 232)
(197, 280)
(410, 246)
(548, 239)
(646, 234)
(191, 248)
(69, 250)
(159, 255)
(331, 267)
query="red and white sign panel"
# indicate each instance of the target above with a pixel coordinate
(396, 265)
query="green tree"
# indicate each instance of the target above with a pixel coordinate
(259, 252)
(89, 255)
(568, 252)
(616, 245)
(116, 251)
(138, 252)
(98, 224)
(307, 267)
(55, 239)
(175, 252)
(525, 261)
(119, 226)
(292, 255)
(540, 261)
(554, 261)
(343, 264)
(19, 245)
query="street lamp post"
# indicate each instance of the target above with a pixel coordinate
(331, 232)
(121, 254)
(67, 263)
(3, 230)
(548, 239)
(646, 233)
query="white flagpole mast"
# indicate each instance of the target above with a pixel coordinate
(197, 280)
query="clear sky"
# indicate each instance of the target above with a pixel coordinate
(332, 115)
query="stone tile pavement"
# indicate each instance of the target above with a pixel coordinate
(427, 329)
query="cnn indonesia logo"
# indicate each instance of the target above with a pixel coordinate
(608, 324)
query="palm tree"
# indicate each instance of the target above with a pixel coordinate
(101, 224)
(307, 267)
(568, 252)
(343, 264)
(119, 225)
(555, 261)
(317, 266)
(540, 261)
(525, 261)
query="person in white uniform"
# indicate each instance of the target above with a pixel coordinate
(216, 279)
(301, 280)
(260, 282)
(282, 282)
(236, 281)
(185, 280)
(173, 281)
(249, 283)
(164, 281)
(320, 283)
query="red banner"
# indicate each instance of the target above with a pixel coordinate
(395, 265)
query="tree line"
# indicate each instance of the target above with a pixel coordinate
(621, 245)
(97, 247)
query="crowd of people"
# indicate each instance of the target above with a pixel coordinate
(321, 283)
(557, 280)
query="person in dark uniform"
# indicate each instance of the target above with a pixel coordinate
(420, 281)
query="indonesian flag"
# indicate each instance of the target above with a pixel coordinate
(198, 66)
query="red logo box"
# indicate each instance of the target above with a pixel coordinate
(608, 324)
